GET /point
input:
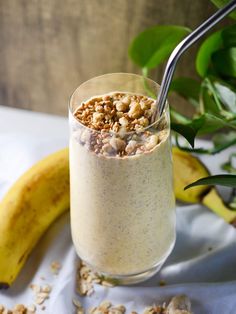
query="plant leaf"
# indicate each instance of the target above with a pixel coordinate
(205, 124)
(210, 45)
(221, 179)
(221, 141)
(187, 88)
(224, 138)
(154, 45)
(230, 165)
(224, 61)
(211, 124)
(188, 131)
(221, 3)
(229, 36)
(227, 94)
(209, 101)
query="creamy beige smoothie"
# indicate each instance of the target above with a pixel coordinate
(122, 201)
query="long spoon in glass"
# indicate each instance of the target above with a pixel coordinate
(181, 48)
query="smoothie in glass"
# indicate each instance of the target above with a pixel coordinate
(122, 201)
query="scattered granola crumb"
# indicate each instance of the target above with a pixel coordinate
(76, 303)
(35, 288)
(106, 307)
(41, 293)
(6, 311)
(55, 267)
(46, 289)
(106, 304)
(79, 307)
(31, 309)
(39, 300)
(86, 279)
(179, 304)
(106, 283)
(84, 284)
(162, 283)
(18, 309)
(155, 309)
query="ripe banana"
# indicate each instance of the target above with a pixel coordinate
(187, 169)
(36, 199)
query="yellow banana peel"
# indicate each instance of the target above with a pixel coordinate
(187, 169)
(31, 205)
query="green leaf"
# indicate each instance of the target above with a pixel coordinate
(221, 3)
(229, 36)
(205, 124)
(220, 141)
(210, 45)
(227, 94)
(188, 131)
(224, 61)
(221, 179)
(232, 123)
(209, 101)
(217, 98)
(154, 45)
(211, 124)
(187, 88)
(230, 164)
(224, 138)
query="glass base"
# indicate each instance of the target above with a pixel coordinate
(134, 278)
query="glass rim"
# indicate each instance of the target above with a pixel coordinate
(71, 113)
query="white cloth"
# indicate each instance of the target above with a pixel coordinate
(202, 264)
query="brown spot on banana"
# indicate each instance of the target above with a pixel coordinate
(4, 285)
(22, 258)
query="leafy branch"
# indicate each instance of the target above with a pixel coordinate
(212, 96)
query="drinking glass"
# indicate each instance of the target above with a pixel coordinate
(122, 206)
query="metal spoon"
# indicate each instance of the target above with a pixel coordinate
(180, 49)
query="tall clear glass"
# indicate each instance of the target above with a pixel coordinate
(122, 206)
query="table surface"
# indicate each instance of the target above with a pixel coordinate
(208, 277)
(35, 123)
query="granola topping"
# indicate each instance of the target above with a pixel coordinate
(116, 125)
